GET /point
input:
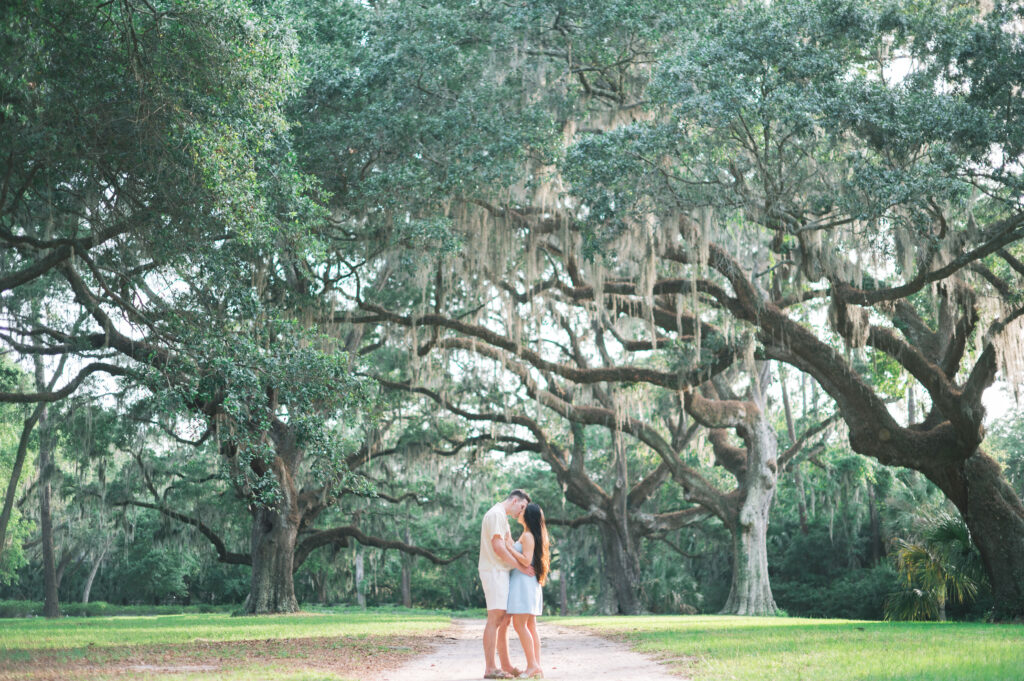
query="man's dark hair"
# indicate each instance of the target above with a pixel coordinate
(519, 493)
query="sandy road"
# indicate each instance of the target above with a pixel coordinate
(568, 654)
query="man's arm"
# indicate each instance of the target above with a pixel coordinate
(498, 543)
(521, 556)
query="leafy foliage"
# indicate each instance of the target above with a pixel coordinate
(941, 566)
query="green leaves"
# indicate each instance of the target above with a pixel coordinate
(796, 110)
(941, 566)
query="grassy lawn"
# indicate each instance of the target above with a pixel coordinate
(714, 648)
(314, 646)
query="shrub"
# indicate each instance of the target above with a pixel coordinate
(857, 594)
(20, 608)
(102, 609)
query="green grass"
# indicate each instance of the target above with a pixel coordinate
(718, 648)
(170, 629)
(280, 647)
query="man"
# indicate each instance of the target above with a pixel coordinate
(495, 563)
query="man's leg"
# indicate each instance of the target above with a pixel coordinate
(503, 657)
(494, 618)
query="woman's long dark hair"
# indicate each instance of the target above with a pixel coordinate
(533, 518)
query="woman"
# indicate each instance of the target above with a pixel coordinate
(525, 599)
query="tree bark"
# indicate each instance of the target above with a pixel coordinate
(563, 593)
(995, 517)
(407, 573)
(51, 604)
(275, 531)
(406, 582)
(750, 592)
(272, 589)
(756, 470)
(622, 568)
(19, 463)
(321, 587)
(92, 574)
(801, 497)
(360, 577)
(946, 445)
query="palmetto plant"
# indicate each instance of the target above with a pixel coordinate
(939, 566)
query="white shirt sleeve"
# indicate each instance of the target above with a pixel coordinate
(495, 524)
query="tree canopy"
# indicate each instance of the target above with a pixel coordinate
(307, 250)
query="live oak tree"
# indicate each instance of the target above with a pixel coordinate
(694, 187)
(426, 161)
(148, 183)
(428, 115)
(792, 162)
(616, 496)
(861, 161)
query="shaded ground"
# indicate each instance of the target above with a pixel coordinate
(568, 654)
(344, 657)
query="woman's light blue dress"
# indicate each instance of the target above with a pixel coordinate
(524, 593)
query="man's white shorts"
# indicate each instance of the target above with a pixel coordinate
(495, 584)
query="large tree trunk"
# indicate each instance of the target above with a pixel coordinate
(751, 591)
(275, 531)
(272, 589)
(621, 569)
(756, 469)
(995, 517)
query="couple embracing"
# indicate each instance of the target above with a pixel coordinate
(512, 573)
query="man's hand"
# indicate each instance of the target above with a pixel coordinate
(528, 570)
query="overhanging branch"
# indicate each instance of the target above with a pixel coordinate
(223, 554)
(56, 395)
(340, 535)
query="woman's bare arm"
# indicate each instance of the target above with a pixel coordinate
(525, 558)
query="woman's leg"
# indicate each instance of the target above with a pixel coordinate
(520, 624)
(532, 626)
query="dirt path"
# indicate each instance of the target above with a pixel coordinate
(568, 654)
